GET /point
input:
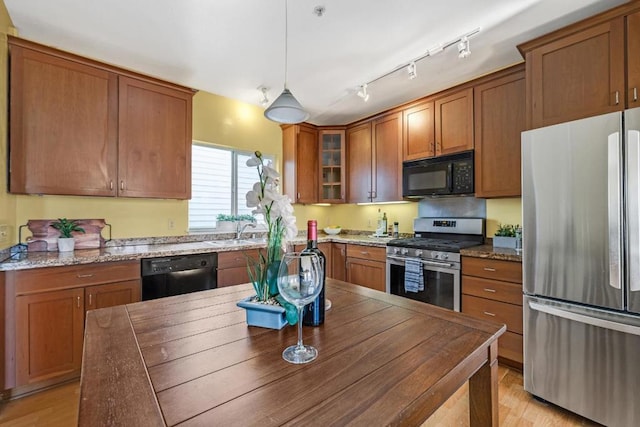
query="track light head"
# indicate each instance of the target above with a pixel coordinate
(362, 93)
(265, 99)
(411, 70)
(463, 48)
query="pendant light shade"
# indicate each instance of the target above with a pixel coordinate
(286, 109)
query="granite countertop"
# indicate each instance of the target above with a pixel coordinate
(159, 248)
(488, 251)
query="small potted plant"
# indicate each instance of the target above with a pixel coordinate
(226, 222)
(505, 236)
(65, 226)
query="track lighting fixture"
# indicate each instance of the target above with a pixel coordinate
(362, 93)
(265, 99)
(463, 48)
(411, 70)
(464, 51)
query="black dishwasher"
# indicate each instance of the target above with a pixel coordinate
(175, 275)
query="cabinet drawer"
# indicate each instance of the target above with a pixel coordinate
(236, 258)
(492, 289)
(508, 271)
(367, 252)
(51, 278)
(510, 346)
(482, 308)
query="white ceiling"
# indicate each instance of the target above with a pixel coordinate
(231, 47)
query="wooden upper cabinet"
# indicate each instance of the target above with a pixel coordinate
(332, 166)
(300, 163)
(387, 155)
(454, 122)
(81, 127)
(359, 163)
(499, 120)
(419, 131)
(154, 137)
(579, 75)
(633, 60)
(63, 125)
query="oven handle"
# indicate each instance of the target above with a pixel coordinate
(429, 263)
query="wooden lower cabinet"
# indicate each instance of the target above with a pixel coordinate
(338, 261)
(49, 332)
(366, 266)
(232, 267)
(492, 290)
(110, 295)
(47, 314)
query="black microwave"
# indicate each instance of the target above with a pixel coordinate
(439, 176)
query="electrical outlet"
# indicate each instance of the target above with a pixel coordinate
(369, 223)
(171, 224)
(4, 233)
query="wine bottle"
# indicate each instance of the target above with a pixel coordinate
(314, 311)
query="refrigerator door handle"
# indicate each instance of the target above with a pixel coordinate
(581, 318)
(633, 200)
(614, 199)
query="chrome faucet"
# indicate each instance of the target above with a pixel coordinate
(240, 229)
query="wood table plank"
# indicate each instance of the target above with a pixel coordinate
(382, 360)
(114, 385)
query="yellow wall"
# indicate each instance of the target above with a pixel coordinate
(505, 211)
(7, 201)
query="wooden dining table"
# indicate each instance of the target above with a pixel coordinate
(191, 360)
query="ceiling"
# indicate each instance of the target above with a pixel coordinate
(232, 47)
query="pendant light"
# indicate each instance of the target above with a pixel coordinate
(286, 108)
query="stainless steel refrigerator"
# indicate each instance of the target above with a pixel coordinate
(581, 263)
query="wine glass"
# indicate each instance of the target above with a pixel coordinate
(299, 282)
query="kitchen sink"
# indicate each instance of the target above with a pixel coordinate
(236, 242)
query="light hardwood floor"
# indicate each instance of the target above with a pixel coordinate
(58, 407)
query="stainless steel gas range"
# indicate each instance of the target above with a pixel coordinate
(426, 267)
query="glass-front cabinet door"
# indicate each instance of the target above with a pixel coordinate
(332, 166)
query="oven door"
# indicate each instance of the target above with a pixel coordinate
(441, 282)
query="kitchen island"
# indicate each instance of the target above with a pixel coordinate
(383, 360)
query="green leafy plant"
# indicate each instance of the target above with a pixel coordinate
(66, 227)
(506, 230)
(226, 217)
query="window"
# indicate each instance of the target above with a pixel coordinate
(220, 179)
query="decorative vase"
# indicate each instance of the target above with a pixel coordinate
(66, 244)
(263, 315)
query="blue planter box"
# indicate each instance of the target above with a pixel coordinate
(263, 315)
(504, 242)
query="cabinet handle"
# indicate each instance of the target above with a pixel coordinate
(298, 196)
(78, 302)
(374, 194)
(489, 269)
(122, 185)
(635, 94)
(82, 276)
(489, 290)
(90, 295)
(111, 185)
(617, 97)
(489, 314)
(364, 253)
